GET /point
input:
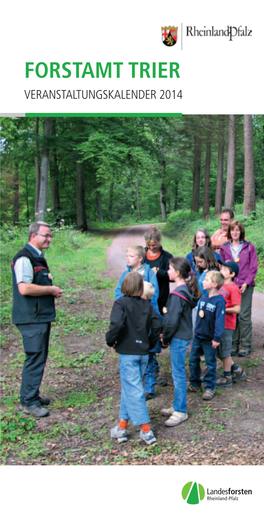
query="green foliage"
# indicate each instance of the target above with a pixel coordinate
(125, 163)
(179, 220)
(258, 129)
(76, 258)
(81, 324)
(251, 363)
(61, 360)
(77, 399)
(260, 277)
(13, 426)
(182, 226)
(12, 240)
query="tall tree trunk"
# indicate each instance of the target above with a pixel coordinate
(54, 174)
(206, 199)
(231, 159)
(196, 173)
(80, 192)
(99, 206)
(43, 190)
(162, 199)
(138, 199)
(27, 200)
(220, 169)
(176, 195)
(163, 192)
(16, 196)
(249, 180)
(111, 198)
(37, 169)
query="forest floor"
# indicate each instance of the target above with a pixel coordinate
(82, 380)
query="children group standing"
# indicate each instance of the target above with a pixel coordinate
(136, 327)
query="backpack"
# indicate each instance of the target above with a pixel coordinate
(180, 295)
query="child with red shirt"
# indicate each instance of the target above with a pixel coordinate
(232, 296)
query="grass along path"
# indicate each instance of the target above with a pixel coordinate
(82, 380)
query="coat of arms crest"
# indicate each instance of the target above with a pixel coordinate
(169, 35)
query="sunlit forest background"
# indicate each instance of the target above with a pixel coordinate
(129, 169)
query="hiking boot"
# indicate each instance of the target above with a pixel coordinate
(208, 394)
(224, 381)
(43, 400)
(234, 351)
(36, 410)
(191, 388)
(148, 437)
(176, 418)
(119, 434)
(237, 374)
(203, 374)
(149, 396)
(244, 352)
(167, 412)
(161, 382)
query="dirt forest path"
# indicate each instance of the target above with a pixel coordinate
(116, 254)
(83, 383)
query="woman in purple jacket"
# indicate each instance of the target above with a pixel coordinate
(243, 252)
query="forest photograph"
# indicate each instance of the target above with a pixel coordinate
(122, 169)
(98, 186)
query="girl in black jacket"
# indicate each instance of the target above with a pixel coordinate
(134, 330)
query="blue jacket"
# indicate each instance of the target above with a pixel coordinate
(200, 278)
(149, 277)
(210, 322)
(190, 258)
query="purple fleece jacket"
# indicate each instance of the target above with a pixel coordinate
(248, 262)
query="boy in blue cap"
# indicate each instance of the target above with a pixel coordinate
(232, 296)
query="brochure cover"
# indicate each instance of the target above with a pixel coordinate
(114, 118)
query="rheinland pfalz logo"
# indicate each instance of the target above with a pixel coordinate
(169, 35)
(230, 31)
(193, 492)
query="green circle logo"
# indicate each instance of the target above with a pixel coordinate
(193, 492)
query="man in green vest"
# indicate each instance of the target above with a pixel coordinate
(33, 311)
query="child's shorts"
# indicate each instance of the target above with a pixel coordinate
(225, 347)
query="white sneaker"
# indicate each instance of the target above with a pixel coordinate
(176, 418)
(119, 434)
(148, 437)
(167, 412)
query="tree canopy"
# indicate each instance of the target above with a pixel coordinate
(128, 168)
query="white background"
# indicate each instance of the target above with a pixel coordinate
(133, 497)
(216, 76)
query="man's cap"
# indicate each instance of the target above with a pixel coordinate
(231, 265)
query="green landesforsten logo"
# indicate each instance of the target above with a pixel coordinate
(193, 492)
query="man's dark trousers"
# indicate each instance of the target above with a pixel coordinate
(36, 344)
